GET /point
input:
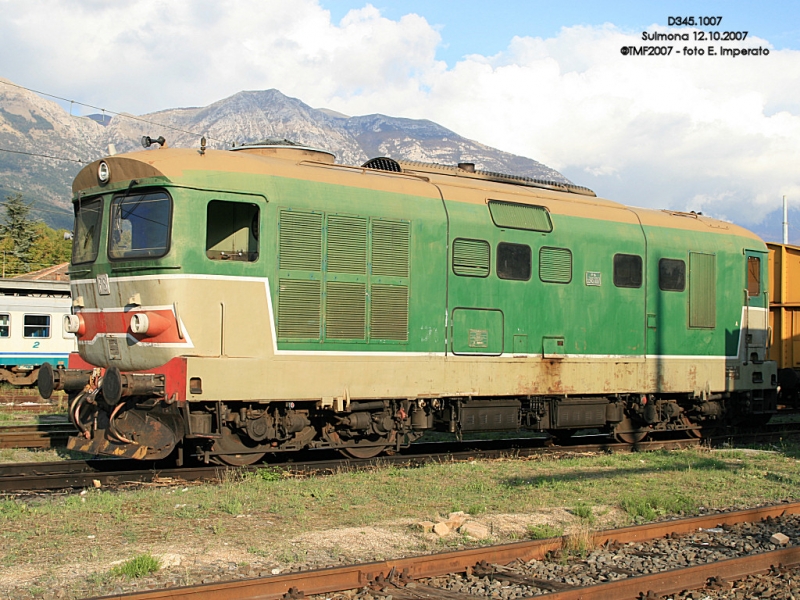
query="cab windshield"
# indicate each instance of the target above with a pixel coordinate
(140, 225)
(86, 236)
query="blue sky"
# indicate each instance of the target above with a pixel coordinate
(480, 27)
(546, 80)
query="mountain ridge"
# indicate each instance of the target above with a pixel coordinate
(45, 146)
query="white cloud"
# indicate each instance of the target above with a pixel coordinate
(717, 134)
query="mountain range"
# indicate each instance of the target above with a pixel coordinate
(42, 146)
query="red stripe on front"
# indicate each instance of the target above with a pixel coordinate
(119, 322)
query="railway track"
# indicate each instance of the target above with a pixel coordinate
(72, 474)
(429, 576)
(40, 435)
(108, 472)
(28, 403)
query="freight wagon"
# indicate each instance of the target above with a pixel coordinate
(784, 318)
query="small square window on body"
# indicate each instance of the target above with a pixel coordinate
(628, 270)
(5, 325)
(513, 261)
(671, 275)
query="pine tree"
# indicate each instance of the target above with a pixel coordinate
(19, 231)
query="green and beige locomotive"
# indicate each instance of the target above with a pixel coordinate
(261, 300)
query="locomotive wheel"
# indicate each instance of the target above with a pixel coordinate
(563, 436)
(233, 452)
(362, 452)
(695, 432)
(627, 433)
(369, 447)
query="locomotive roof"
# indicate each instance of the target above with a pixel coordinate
(175, 164)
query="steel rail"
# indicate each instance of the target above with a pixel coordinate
(336, 579)
(41, 435)
(80, 474)
(677, 580)
(110, 471)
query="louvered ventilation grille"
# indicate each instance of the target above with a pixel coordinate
(299, 309)
(345, 310)
(520, 216)
(389, 319)
(383, 163)
(300, 241)
(471, 257)
(347, 245)
(555, 265)
(390, 248)
(702, 290)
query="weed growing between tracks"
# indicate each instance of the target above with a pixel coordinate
(271, 520)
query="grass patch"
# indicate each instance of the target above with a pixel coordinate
(579, 543)
(650, 507)
(231, 506)
(271, 474)
(232, 516)
(584, 512)
(138, 566)
(544, 531)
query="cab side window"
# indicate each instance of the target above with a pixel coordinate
(232, 231)
(753, 276)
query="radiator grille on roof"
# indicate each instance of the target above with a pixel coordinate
(383, 163)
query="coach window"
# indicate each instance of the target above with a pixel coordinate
(628, 270)
(140, 225)
(513, 261)
(5, 325)
(753, 276)
(86, 236)
(232, 231)
(671, 275)
(36, 326)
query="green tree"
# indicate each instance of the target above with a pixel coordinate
(50, 247)
(26, 244)
(20, 230)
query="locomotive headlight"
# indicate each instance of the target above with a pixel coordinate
(103, 172)
(150, 324)
(74, 324)
(140, 323)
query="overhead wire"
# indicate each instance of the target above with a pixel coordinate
(114, 113)
(83, 162)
